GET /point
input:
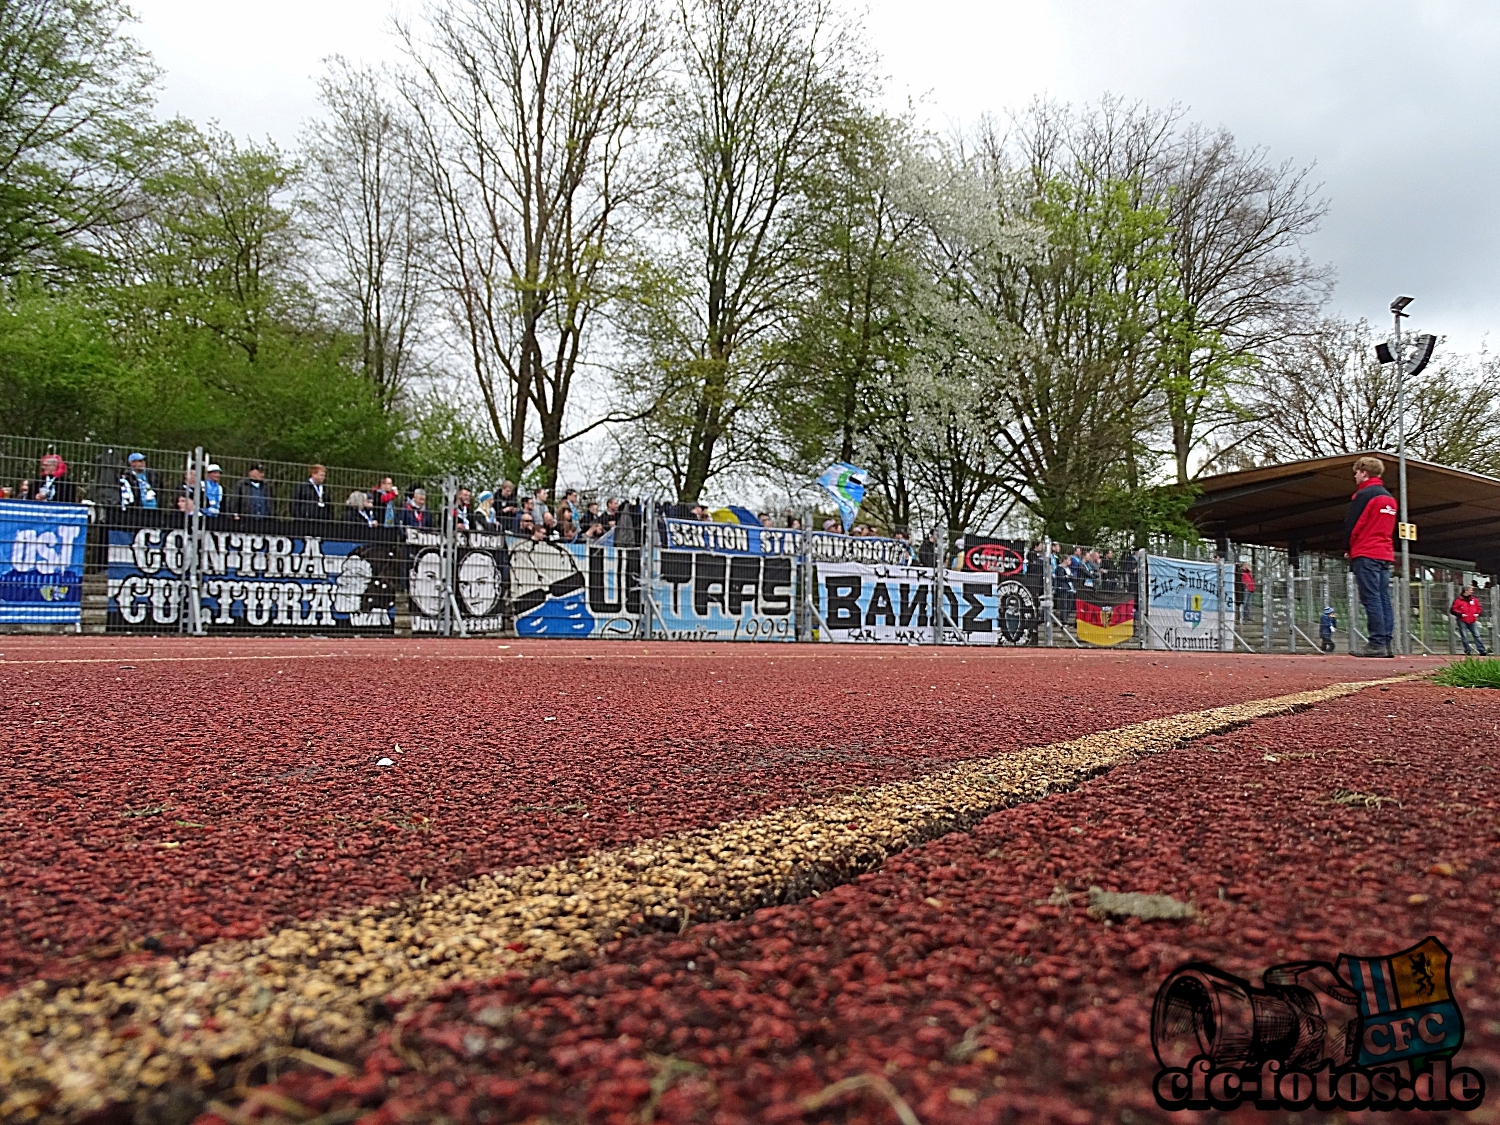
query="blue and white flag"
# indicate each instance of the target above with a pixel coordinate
(846, 484)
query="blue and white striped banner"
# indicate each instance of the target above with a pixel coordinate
(41, 562)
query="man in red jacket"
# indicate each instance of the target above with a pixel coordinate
(1369, 528)
(1466, 609)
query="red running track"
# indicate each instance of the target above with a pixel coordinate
(177, 791)
(968, 972)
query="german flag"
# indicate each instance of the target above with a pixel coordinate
(1105, 619)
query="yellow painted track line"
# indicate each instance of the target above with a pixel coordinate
(62, 1054)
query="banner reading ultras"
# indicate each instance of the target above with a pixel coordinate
(1183, 606)
(41, 562)
(252, 579)
(892, 605)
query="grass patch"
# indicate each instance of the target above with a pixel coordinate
(1471, 673)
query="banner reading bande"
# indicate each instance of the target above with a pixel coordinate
(41, 562)
(892, 605)
(1183, 607)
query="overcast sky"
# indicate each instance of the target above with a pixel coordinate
(1397, 103)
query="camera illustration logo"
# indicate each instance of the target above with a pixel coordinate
(1373, 1033)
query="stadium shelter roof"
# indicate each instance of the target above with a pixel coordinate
(1300, 507)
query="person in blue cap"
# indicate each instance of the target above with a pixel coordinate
(1326, 625)
(136, 489)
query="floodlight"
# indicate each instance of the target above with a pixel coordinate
(1422, 352)
(1400, 303)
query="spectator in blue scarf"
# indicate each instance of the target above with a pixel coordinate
(213, 491)
(136, 489)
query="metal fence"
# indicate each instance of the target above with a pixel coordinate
(165, 551)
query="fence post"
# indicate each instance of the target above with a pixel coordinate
(1291, 607)
(1047, 590)
(445, 560)
(1267, 592)
(809, 590)
(939, 599)
(1353, 596)
(1219, 596)
(1451, 594)
(193, 579)
(1143, 597)
(646, 572)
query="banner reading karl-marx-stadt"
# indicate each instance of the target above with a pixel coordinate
(1183, 606)
(893, 605)
(41, 562)
(261, 575)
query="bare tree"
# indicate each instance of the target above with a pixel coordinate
(1237, 221)
(1324, 393)
(762, 86)
(526, 114)
(363, 204)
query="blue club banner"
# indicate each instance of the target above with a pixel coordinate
(1182, 612)
(41, 562)
(573, 589)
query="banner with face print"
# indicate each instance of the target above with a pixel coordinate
(252, 577)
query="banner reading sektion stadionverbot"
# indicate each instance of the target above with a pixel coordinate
(41, 562)
(892, 605)
(1183, 606)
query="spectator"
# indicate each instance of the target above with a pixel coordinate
(52, 485)
(506, 504)
(549, 526)
(462, 512)
(310, 501)
(1369, 528)
(567, 530)
(213, 490)
(1244, 586)
(136, 489)
(794, 524)
(415, 514)
(386, 499)
(625, 526)
(700, 512)
(612, 513)
(252, 496)
(484, 512)
(539, 507)
(526, 506)
(927, 552)
(569, 504)
(765, 519)
(1327, 623)
(525, 525)
(1466, 610)
(359, 510)
(187, 491)
(590, 519)
(831, 526)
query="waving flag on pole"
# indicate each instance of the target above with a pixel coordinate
(846, 484)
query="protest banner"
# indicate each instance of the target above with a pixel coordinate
(892, 605)
(41, 562)
(478, 580)
(1183, 608)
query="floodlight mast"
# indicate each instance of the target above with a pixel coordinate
(1398, 313)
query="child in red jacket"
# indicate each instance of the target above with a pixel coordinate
(1466, 609)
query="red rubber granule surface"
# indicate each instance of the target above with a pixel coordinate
(968, 972)
(182, 791)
